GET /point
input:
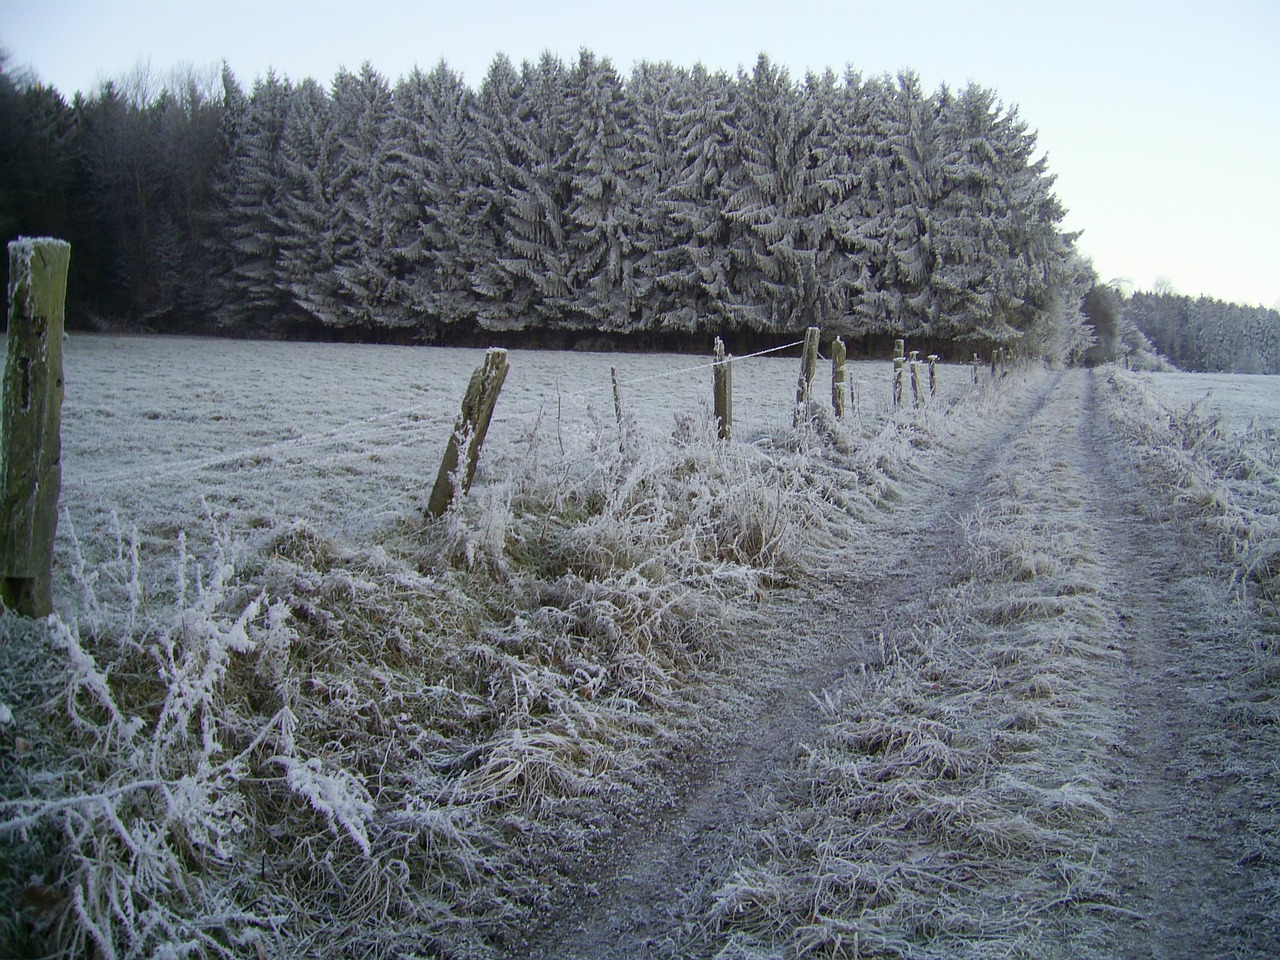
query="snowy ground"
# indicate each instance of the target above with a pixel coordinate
(350, 437)
(1242, 401)
(998, 677)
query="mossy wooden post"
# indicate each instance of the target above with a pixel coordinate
(617, 411)
(899, 362)
(31, 434)
(839, 379)
(471, 428)
(722, 386)
(915, 378)
(808, 370)
(933, 359)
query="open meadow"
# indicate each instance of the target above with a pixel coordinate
(993, 676)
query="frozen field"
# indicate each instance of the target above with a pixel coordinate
(1243, 401)
(349, 437)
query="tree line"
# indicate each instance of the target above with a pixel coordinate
(1204, 334)
(551, 199)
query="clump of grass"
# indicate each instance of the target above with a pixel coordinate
(1227, 484)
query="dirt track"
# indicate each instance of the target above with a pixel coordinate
(1187, 854)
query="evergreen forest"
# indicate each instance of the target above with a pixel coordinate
(553, 202)
(1207, 335)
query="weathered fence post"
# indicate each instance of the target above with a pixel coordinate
(617, 411)
(839, 379)
(915, 378)
(31, 444)
(473, 423)
(933, 359)
(899, 361)
(808, 369)
(722, 385)
(977, 360)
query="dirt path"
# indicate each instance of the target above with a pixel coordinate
(1191, 852)
(645, 892)
(1185, 857)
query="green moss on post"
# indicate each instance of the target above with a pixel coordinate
(808, 369)
(31, 434)
(839, 379)
(472, 426)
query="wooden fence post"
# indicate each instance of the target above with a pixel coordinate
(472, 426)
(899, 362)
(722, 385)
(617, 412)
(808, 369)
(31, 451)
(915, 378)
(933, 359)
(839, 379)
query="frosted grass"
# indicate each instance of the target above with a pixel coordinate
(159, 431)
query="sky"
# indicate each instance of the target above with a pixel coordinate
(1159, 118)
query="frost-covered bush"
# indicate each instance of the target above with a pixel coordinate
(1226, 482)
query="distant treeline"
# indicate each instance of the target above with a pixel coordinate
(551, 198)
(1208, 335)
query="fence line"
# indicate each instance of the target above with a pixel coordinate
(710, 365)
(409, 417)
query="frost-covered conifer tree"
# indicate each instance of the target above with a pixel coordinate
(1032, 256)
(369, 291)
(503, 299)
(914, 166)
(846, 149)
(654, 101)
(772, 277)
(308, 218)
(966, 245)
(691, 267)
(434, 213)
(600, 218)
(539, 182)
(247, 290)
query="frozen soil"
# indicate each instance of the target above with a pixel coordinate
(1186, 854)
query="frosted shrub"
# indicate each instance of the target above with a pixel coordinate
(1227, 483)
(141, 816)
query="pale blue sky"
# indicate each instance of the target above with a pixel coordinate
(1161, 118)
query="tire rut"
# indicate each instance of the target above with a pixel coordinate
(644, 893)
(1177, 848)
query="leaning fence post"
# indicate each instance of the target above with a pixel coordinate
(808, 369)
(722, 385)
(31, 449)
(472, 425)
(839, 379)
